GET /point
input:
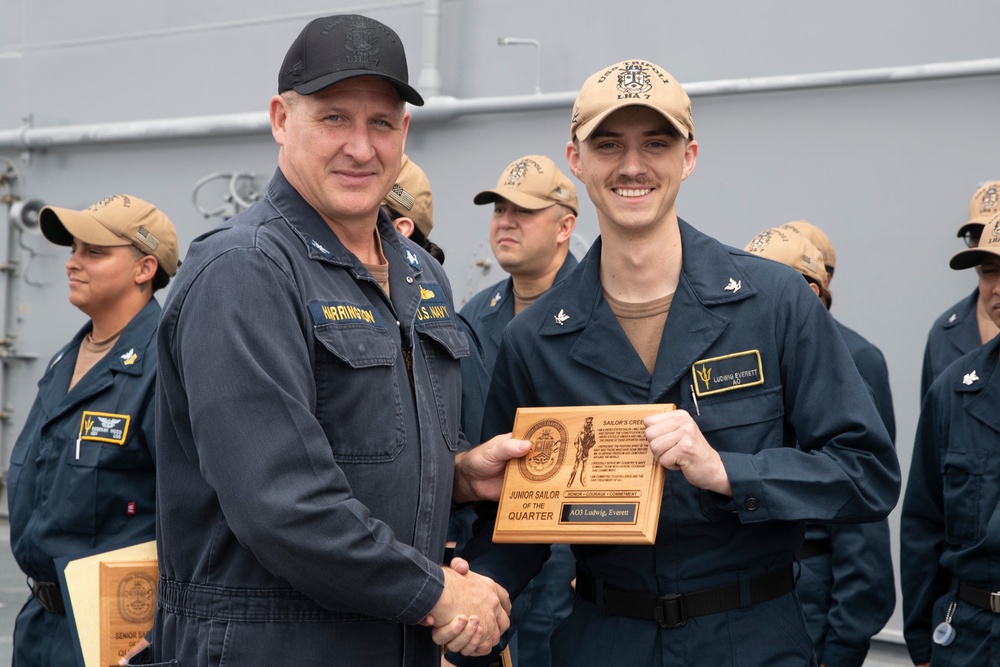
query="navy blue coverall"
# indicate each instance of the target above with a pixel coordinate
(489, 310)
(550, 596)
(950, 527)
(62, 504)
(954, 333)
(307, 429)
(847, 590)
(774, 372)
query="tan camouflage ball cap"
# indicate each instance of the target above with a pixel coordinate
(411, 196)
(989, 243)
(630, 83)
(791, 249)
(817, 238)
(533, 182)
(115, 221)
(984, 203)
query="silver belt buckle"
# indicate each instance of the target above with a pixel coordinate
(995, 602)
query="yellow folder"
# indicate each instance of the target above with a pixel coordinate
(110, 597)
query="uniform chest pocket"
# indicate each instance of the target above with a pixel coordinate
(99, 485)
(746, 424)
(18, 456)
(962, 473)
(444, 346)
(358, 397)
(746, 421)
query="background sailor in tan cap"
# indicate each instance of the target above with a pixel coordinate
(658, 312)
(786, 244)
(821, 241)
(967, 324)
(845, 574)
(534, 215)
(950, 514)
(410, 205)
(82, 472)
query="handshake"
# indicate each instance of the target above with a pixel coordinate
(473, 610)
(478, 609)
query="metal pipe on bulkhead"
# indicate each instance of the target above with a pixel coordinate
(443, 109)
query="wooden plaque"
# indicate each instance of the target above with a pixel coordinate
(589, 478)
(128, 602)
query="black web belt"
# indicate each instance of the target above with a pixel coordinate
(981, 598)
(673, 611)
(812, 548)
(48, 595)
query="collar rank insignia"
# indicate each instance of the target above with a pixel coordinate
(496, 299)
(412, 258)
(319, 246)
(951, 320)
(129, 357)
(561, 317)
(970, 378)
(734, 286)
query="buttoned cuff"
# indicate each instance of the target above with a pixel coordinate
(748, 493)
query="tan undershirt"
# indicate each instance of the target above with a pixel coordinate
(380, 271)
(643, 324)
(90, 353)
(987, 329)
(522, 302)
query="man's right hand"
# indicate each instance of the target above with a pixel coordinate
(479, 471)
(471, 614)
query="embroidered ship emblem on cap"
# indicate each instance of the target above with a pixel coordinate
(362, 42)
(634, 80)
(758, 242)
(991, 198)
(517, 173)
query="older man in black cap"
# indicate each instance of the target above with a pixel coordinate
(310, 398)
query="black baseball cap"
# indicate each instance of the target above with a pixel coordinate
(336, 48)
